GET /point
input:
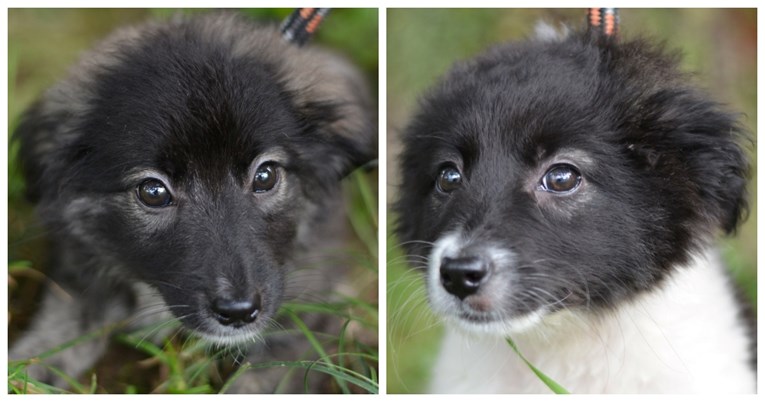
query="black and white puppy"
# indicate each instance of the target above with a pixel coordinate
(198, 158)
(568, 193)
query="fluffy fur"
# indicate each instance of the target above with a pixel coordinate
(201, 105)
(611, 285)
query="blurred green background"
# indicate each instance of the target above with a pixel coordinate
(719, 45)
(42, 44)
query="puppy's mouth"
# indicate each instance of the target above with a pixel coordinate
(473, 318)
(231, 337)
(473, 289)
(464, 315)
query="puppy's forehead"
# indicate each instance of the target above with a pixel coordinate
(520, 132)
(189, 103)
(516, 101)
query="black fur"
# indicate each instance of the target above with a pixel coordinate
(666, 168)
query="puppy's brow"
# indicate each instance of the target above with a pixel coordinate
(139, 174)
(276, 154)
(582, 158)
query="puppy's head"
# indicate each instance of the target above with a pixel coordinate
(572, 174)
(189, 153)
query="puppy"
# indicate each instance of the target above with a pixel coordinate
(197, 160)
(568, 192)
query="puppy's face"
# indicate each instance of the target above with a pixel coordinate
(193, 158)
(201, 187)
(544, 176)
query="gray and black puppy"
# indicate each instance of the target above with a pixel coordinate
(198, 160)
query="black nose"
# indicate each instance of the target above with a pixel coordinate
(463, 276)
(236, 312)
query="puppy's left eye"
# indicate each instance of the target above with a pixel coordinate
(153, 193)
(449, 179)
(266, 177)
(561, 179)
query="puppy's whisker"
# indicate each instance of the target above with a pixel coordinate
(415, 242)
(408, 258)
(156, 328)
(410, 278)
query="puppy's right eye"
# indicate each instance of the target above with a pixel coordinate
(561, 179)
(265, 177)
(449, 179)
(153, 193)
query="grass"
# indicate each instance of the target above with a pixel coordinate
(344, 362)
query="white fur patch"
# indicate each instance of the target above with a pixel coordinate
(681, 338)
(446, 246)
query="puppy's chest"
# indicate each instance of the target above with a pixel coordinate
(489, 365)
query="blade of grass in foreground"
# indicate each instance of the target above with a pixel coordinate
(554, 386)
(319, 349)
(336, 371)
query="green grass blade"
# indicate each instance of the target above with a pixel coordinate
(317, 346)
(20, 265)
(20, 383)
(195, 371)
(335, 371)
(366, 195)
(309, 336)
(144, 346)
(554, 386)
(230, 381)
(362, 214)
(73, 383)
(327, 308)
(341, 345)
(93, 383)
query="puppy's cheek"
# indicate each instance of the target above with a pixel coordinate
(84, 218)
(279, 239)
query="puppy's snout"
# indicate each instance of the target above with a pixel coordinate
(236, 312)
(464, 275)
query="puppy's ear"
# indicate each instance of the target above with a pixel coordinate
(344, 135)
(333, 101)
(43, 135)
(49, 130)
(698, 146)
(693, 145)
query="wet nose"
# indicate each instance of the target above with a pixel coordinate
(236, 312)
(463, 276)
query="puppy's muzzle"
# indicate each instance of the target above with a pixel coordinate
(463, 276)
(236, 312)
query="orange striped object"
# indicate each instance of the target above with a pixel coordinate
(300, 26)
(603, 20)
